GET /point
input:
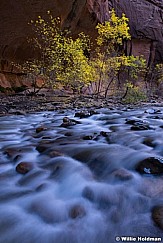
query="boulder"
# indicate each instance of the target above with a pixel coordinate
(151, 165)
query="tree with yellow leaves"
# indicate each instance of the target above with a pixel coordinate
(63, 59)
(108, 59)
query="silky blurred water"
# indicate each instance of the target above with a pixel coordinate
(90, 193)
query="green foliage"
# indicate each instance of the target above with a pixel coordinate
(159, 72)
(134, 94)
(154, 79)
(2, 89)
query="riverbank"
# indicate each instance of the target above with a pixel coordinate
(23, 104)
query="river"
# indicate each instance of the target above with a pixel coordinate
(80, 180)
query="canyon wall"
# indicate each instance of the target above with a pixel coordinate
(146, 24)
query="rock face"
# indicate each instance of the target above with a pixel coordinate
(146, 26)
(79, 15)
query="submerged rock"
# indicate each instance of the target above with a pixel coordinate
(149, 142)
(24, 167)
(77, 212)
(44, 145)
(122, 174)
(151, 165)
(157, 216)
(55, 153)
(12, 152)
(40, 129)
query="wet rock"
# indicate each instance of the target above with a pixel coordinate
(33, 177)
(68, 134)
(154, 117)
(55, 153)
(88, 137)
(40, 129)
(17, 157)
(12, 152)
(66, 119)
(139, 126)
(133, 121)
(67, 122)
(77, 212)
(114, 128)
(43, 145)
(42, 187)
(3, 109)
(56, 166)
(20, 112)
(104, 134)
(88, 193)
(157, 216)
(151, 165)
(149, 142)
(24, 167)
(82, 114)
(93, 112)
(17, 112)
(46, 137)
(122, 174)
(152, 111)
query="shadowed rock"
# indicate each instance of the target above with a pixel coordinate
(77, 212)
(24, 167)
(151, 165)
(157, 216)
(40, 129)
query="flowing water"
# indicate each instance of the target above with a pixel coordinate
(83, 185)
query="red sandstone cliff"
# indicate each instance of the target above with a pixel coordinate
(146, 23)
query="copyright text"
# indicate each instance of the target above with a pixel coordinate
(137, 239)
